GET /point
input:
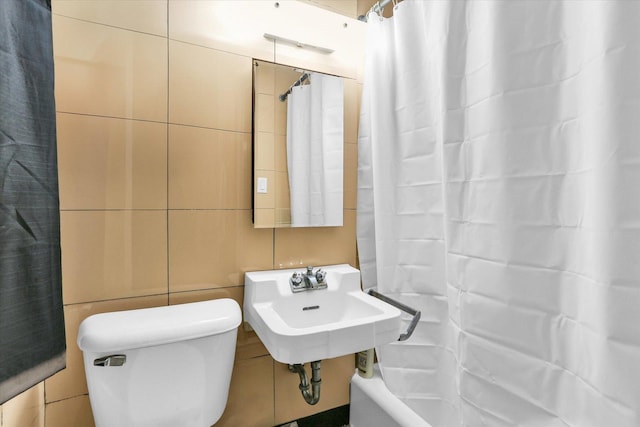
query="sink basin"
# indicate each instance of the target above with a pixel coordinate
(316, 324)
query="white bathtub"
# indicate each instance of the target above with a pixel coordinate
(373, 405)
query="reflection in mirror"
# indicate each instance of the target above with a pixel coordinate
(298, 147)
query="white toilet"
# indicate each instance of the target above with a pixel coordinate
(163, 366)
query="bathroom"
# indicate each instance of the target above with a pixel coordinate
(155, 213)
(155, 121)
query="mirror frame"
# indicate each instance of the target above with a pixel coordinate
(269, 161)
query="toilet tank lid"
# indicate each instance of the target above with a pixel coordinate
(124, 330)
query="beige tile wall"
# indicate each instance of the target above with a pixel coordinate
(346, 8)
(270, 158)
(272, 208)
(154, 146)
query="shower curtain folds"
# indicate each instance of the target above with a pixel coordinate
(315, 151)
(32, 337)
(498, 175)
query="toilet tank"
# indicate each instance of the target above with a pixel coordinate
(162, 366)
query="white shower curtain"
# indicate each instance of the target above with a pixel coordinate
(499, 193)
(315, 117)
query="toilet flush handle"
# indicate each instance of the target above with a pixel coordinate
(113, 360)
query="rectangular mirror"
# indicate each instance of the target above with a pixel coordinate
(298, 132)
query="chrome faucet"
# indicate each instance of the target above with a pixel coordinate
(307, 281)
(310, 278)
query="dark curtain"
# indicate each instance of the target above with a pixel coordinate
(32, 341)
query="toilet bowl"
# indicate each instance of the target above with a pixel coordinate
(162, 366)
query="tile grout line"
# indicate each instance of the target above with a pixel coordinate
(167, 151)
(165, 122)
(273, 257)
(102, 116)
(108, 25)
(229, 52)
(120, 298)
(168, 168)
(67, 398)
(151, 209)
(275, 128)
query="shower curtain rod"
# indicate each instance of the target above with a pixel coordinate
(377, 7)
(298, 82)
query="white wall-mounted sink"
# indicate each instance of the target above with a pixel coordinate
(319, 323)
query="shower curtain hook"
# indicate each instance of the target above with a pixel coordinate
(395, 4)
(379, 10)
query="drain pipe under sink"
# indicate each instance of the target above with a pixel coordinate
(312, 397)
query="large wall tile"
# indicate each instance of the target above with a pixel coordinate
(248, 345)
(209, 169)
(280, 148)
(264, 157)
(350, 175)
(108, 71)
(264, 113)
(343, 7)
(233, 26)
(147, 16)
(351, 118)
(74, 412)
(283, 194)
(250, 401)
(209, 88)
(106, 163)
(209, 249)
(335, 374)
(113, 254)
(26, 409)
(71, 381)
(296, 247)
(264, 77)
(264, 218)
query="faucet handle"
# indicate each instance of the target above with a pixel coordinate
(309, 270)
(296, 278)
(320, 275)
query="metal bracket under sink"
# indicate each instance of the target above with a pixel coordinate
(401, 306)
